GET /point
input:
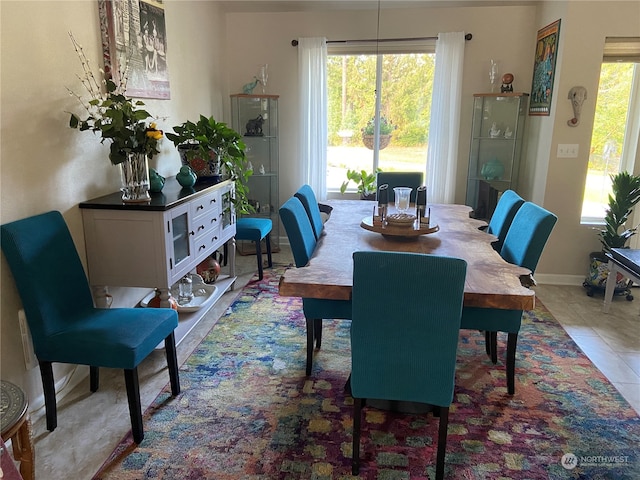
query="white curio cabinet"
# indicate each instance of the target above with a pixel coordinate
(497, 136)
(155, 244)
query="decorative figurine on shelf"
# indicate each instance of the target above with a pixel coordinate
(247, 88)
(156, 181)
(507, 81)
(492, 170)
(186, 177)
(508, 132)
(494, 132)
(262, 171)
(577, 95)
(254, 127)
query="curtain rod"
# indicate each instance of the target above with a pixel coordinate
(468, 36)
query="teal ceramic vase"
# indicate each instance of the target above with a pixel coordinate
(186, 177)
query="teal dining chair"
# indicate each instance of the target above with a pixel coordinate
(507, 207)
(404, 337)
(523, 245)
(303, 243)
(67, 328)
(401, 179)
(308, 199)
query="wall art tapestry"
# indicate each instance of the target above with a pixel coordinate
(134, 35)
(544, 69)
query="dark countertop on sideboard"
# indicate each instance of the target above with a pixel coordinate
(172, 194)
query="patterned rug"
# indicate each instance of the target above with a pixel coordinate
(247, 411)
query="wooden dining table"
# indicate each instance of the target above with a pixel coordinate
(491, 282)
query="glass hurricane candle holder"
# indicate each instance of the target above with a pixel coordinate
(402, 195)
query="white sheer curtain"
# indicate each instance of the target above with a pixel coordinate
(444, 130)
(312, 75)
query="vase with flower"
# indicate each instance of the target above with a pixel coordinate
(122, 123)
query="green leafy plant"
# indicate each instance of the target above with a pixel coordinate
(386, 126)
(210, 141)
(365, 182)
(118, 119)
(626, 194)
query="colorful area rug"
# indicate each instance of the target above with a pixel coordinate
(247, 411)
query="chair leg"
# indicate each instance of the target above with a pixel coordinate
(259, 257)
(94, 378)
(172, 363)
(512, 342)
(135, 409)
(310, 323)
(442, 442)
(493, 346)
(49, 388)
(269, 257)
(487, 343)
(357, 414)
(317, 331)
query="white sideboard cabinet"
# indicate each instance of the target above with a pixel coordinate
(155, 244)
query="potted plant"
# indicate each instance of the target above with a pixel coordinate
(386, 129)
(213, 149)
(625, 195)
(365, 182)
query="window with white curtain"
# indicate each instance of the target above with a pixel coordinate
(403, 75)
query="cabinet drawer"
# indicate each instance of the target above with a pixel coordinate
(205, 204)
(204, 223)
(206, 244)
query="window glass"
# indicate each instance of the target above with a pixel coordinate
(609, 153)
(405, 82)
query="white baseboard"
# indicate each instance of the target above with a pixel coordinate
(555, 279)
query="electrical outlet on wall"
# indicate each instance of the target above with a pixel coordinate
(30, 359)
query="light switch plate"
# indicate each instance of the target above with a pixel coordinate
(567, 150)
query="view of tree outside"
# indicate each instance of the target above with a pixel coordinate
(607, 139)
(407, 84)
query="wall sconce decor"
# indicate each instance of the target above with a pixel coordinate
(577, 95)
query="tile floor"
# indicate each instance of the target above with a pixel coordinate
(91, 425)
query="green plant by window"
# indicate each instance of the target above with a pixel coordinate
(118, 119)
(626, 194)
(386, 126)
(365, 182)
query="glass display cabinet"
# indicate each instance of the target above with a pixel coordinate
(497, 135)
(255, 117)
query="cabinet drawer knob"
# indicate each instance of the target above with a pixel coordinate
(199, 207)
(201, 227)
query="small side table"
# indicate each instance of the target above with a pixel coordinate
(625, 261)
(15, 425)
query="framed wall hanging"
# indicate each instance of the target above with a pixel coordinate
(134, 35)
(544, 69)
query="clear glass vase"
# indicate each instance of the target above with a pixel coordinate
(134, 175)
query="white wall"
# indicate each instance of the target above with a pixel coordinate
(45, 165)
